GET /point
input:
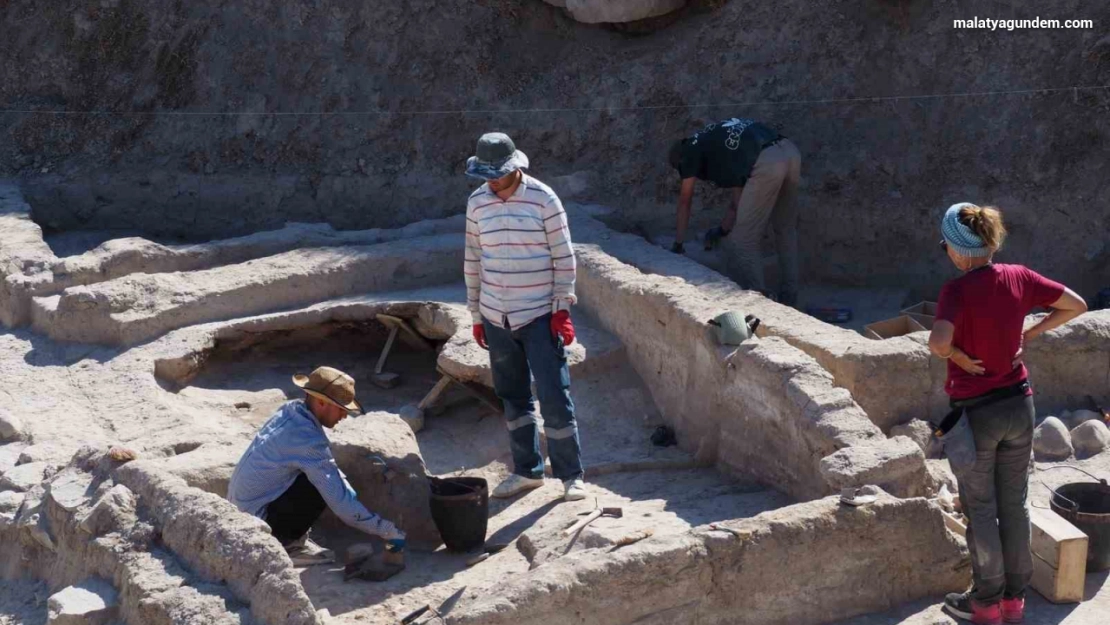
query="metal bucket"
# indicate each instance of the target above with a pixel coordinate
(1087, 506)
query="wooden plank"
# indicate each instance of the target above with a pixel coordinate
(1056, 540)
(1059, 557)
(437, 391)
(1053, 586)
(954, 524)
(477, 391)
(385, 351)
(410, 336)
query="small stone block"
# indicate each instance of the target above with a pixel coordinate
(413, 416)
(385, 380)
(92, 602)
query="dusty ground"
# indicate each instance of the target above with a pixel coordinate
(1093, 611)
(616, 419)
(23, 602)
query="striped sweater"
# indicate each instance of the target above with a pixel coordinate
(519, 260)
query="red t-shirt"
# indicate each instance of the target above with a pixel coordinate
(988, 307)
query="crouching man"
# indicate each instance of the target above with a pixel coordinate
(288, 474)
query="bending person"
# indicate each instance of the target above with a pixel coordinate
(288, 474)
(979, 329)
(763, 169)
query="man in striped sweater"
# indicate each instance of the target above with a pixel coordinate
(520, 286)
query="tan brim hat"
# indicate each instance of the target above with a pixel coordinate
(331, 385)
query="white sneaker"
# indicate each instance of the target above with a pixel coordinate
(515, 484)
(304, 552)
(575, 490)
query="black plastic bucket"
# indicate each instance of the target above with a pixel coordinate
(1087, 506)
(460, 509)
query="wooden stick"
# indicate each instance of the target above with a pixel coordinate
(385, 352)
(583, 523)
(433, 395)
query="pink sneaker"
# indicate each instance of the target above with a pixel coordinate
(962, 606)
(1013, 610)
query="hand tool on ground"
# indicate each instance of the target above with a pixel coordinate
(426, 615)
(377, 567)
(731, 530)
(487, 551)
(412, 337)
(633, 538)
(616, 513)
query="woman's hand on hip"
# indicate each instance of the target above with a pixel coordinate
(967, 363)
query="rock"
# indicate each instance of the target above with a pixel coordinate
(896, 464)
(1090, 438)
(1051, 441)
(940, 474)
(616, 11)
(24, 476)
(413, 416)
(44, 453)
(10, 503)
(115, 509)
(71, 489)
(11, 428)
(1079, 417)
(920, 432)
(400, 490)
(32, 519)
(92, 602)
(9, 456)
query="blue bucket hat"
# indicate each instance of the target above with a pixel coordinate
(495, 157)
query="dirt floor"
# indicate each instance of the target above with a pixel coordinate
(23, 602)
(1095, 609)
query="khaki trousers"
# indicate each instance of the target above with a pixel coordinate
(768, 196)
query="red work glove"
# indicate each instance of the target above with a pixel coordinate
(480, 336)
(562, 326)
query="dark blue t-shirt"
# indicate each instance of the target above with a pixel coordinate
(724, 152)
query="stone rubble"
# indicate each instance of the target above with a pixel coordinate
(92, 602)
(1051, 441)
(1090, 438)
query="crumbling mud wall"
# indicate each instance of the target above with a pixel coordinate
(765, 410)
(343, 113)
(816, 549)
(173, 553)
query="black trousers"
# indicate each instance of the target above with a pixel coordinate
(292, 514)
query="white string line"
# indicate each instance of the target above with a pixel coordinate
(585, 109)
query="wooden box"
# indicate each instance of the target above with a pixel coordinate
(924, 313)
(1059, 557)
(898, 326)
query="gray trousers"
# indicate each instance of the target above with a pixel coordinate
(994, 492)
(768, 197)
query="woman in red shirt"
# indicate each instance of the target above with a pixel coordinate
(989, 435)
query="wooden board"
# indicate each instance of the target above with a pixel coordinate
(899, 326)
(1059, 557)
(954, 524)
(410, 336)
(922, 308)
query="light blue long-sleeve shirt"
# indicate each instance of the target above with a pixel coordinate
(290, 443)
